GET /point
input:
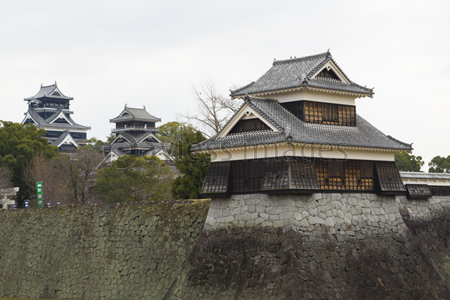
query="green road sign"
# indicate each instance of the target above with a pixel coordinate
(40, 197)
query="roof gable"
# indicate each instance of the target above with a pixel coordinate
(57, 117)
(149, 136)
(331, 71)
(129, 113)
(49, 91)
(301, 73)
(246, 112)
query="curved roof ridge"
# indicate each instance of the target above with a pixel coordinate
(325, 54)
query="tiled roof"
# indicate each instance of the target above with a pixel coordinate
(45, 123)
(298, 72)
(60, 138)
(136, 113)
(46, 92)
(420, 175)
(293, 129)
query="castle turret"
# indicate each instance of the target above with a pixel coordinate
(49, 109)
(135, 135)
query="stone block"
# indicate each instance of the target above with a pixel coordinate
(214, 213)
(352, 201)
(312, 212)
(367, 203)
(229, 219)
(297, 216)
(278, 223)
(264, 216)
(267, 224)
(247, 216)
(330, 221)
(319, 220)
(339, 220)
(305, 214)
(304, 223)
(285, 215)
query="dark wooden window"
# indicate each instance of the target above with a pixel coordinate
(328, 74)
(389, 178)
(303, 174)
(241, 179)
(276, 176)
(330, 113)
(295, 108)
(439, 190)
(217, 178)
(336, 168)
(257, 168)
(322, 113)
(349, 175)
(418, 191)
(249, 125)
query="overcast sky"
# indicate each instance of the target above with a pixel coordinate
(107, 54)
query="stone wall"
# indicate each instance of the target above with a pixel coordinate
(320, 246)
(324, 246)
(120, 252)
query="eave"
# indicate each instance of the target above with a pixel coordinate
(303, 88)
(317, 146)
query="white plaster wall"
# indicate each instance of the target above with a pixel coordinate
(304, 151)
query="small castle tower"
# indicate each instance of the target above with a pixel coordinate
(49, 109)
(135, 135)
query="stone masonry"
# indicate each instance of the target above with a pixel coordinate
(355, 215)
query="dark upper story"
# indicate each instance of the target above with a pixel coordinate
(135, 120)
(317, 72)
(49, 97)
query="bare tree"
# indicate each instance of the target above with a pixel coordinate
(86, 164)
(52, 174)
(213, 108)
(5, 179)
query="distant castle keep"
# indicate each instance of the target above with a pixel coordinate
(135, 135)
(49, 110)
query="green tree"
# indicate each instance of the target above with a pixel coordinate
(193, 166)
(439, 165)
(18, 143)
(169, 132)
(95, 144)
(408, 162)
(134, 179)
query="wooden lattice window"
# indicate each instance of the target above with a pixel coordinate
(242, 176)
(295, 108)
(366, 169)
(249, 125)
(336, 168)
(328, 175)
(324, 113)
(257, 168)
(418, 191)
(330, 112)
(328, 74)
(217, 178)
(389, 178)
(440, 190)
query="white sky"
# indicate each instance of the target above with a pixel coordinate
(107, 54)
